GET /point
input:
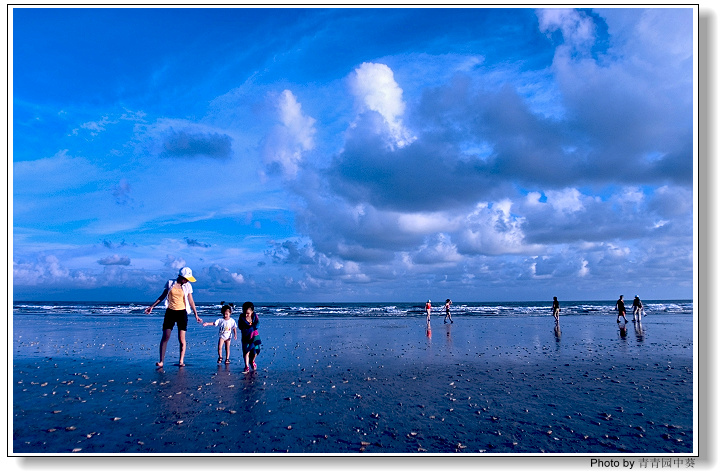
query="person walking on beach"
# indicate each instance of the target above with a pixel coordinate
(428, 307)
(177, 297)
(621, 308)
(638, 308)
(447, 313)
(556, 310)
(250, 336)
(228, 327)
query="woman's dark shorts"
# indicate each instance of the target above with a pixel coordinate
(175, 316)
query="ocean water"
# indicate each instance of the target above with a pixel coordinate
(360, 310)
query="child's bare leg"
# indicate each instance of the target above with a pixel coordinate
(220, 342)
(245, 359)
(227, 349)
(252, 360)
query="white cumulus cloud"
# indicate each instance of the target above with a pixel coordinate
(569, 200)
(49, 270)
(174, 262)
(577, 28)
(374, 87)
(491, 229)
(291, 137)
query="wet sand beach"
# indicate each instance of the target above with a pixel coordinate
(354, 385)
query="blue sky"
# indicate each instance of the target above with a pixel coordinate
(368, 154)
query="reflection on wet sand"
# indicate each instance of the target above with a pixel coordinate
(639, 330)
(622, 330)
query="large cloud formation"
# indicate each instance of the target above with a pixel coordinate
(471, 173)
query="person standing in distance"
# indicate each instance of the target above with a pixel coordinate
(556, 310)
(621, 308)
(447, 312)
(638, 308)
(177, 297)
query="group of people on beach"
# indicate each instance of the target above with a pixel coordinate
(637, 308)
(179, 303)
(447, 312)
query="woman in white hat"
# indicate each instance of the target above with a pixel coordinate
(178, 301)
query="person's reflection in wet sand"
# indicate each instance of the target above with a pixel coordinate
(622, 330)
(448, 327)
(639, 330)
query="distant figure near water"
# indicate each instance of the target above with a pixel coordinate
(447, 313)
(638, 308)
(178, 301)
(428, 307)
(556, 310)
(621, 308)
